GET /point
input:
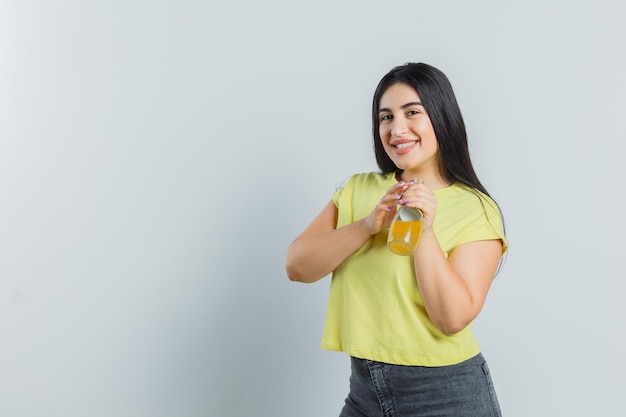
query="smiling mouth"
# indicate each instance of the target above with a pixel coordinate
(404, 145)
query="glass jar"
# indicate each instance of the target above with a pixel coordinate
(405, 230)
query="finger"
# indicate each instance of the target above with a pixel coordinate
(391, 199)
(397, 187)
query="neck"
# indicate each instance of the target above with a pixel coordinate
(433, 182)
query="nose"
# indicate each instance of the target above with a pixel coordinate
(399, 127)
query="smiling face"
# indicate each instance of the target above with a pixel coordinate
(407, 134)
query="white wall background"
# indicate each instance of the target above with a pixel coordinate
(157, 157)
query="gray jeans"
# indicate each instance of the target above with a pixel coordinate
(383, 390)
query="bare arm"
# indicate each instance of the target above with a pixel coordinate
(322, 247)
(454, 289)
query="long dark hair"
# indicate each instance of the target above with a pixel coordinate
(439, 101)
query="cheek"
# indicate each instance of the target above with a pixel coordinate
(423, 124)
(427, 132)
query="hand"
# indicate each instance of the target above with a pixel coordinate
(418, 195)
(383, 213)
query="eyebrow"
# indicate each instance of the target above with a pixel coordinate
(404, 106)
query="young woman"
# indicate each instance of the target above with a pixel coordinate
(406, 321)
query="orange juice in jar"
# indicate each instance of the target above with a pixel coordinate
(405, 230)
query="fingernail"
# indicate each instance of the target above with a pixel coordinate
(389, 207)
(405, 202)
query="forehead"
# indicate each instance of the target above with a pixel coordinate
(397, 95)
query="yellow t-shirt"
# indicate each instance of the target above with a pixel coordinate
(375, 310)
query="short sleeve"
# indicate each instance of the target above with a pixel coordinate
(487, 226)
(339, 190)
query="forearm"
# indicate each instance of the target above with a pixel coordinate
(314, 256)
(446, 296)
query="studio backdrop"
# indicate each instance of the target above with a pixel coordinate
(157, 158)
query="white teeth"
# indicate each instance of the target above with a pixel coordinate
(404, 145)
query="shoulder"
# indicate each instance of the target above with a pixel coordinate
(468, 198)
(360, 194)
(469, 214)
(372, 179)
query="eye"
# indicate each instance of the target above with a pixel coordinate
(413, 112)
(385, 117)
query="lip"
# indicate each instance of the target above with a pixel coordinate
(403, 150)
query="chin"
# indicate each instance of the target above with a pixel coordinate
(405, 166)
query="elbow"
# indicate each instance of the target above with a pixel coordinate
(298, 269)
(292, 273)
(295, 274)
(298, 274)
(452, 322)
(291, 266)
(450, 327)
(450, 330)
